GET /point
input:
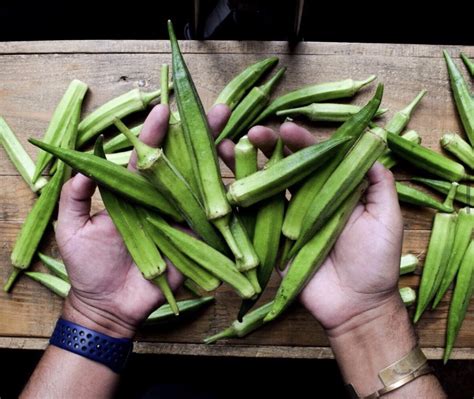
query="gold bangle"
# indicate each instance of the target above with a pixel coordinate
(398, 374)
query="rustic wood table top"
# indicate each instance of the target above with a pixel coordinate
(33, 77)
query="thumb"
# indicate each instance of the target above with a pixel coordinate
(75, 204)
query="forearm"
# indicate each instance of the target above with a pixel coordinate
(372, 341)
(61, 373)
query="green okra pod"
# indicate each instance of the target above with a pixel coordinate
(118, 107)
(207, 257)
(139, 244)
(463, 291)
(238, 329)
(462, 238)
(164, 81)
(411, 195)
(249, 259)
(453, 143)
(401, 118)
(266, 240)
(53, 283)
(290, 170)
(164, 312)
(408, 264)
(437, 256)
(312, 255)
(201, 144)
(345, 178)
(427, 159)
(114, 177)
(408, 295)
(469, 63)
(307, 195)
(19, 157)
(120, 142)
(185, 265)
(326, 112)
(388, 159)
(54, 266)
(238, 87)
(314, 93)
(464, 194)
(153, 164)
(119, 158)
(71, 99)
(249, 108)
(193, 288)
(462, 97)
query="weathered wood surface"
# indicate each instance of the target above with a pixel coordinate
(33, 77)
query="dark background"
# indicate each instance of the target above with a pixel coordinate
(389, 22)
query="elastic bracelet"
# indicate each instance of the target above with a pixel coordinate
(398, 374)
(109, 351)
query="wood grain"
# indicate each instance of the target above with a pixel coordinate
(33, 77)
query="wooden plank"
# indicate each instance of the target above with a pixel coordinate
(34, 77)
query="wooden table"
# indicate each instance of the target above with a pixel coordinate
(33, 77)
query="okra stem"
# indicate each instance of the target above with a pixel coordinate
(19, 157)
(120, 141)
(164, 84)
(453, 143)
(469, 63)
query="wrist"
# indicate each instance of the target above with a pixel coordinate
(80, 312)
(371, 341)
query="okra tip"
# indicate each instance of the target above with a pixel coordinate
(410, 107)
(365, 82)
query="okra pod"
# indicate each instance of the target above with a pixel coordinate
(120, 142)
(53, 283)
(462, 97)
(164, 82)
(249, 323)
(207, 257)
(402, 117)
(290, 170)
(119, 158)
(437, 256)
(469, 63)
(249, 259)
(114, 177)
(19, 157)
(193, 288)
(306, 196)
(462, 238)
(54, 266)
(141, 247)
(201, 144)
(426, 159)
(238, 87)
(312, 255)
(153, 164)
(266, 239)
(413, 196)
(388, 159)
(249, 108)
(164, 312)
(71, 99)
(119, 107)
(408, 264)
(326, 112)
(464, 194)
(345, 178)
(463, 291)
(314, 93)
(408, 295)
(185, 265)
(453, 143)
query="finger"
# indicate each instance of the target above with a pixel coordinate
(153, 131)
(263, 138)
(226, 150)
(217, 118)
(75, 202)
(381, 196)
(295, 137)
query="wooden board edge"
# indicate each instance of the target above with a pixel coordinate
(260, 351)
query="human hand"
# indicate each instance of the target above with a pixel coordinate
(108, 290)
(359, 278)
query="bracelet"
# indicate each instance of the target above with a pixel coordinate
(398, 374)
(109, 351)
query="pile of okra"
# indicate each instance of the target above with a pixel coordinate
(289, 212)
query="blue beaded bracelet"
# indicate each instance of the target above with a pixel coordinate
(109, 351)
